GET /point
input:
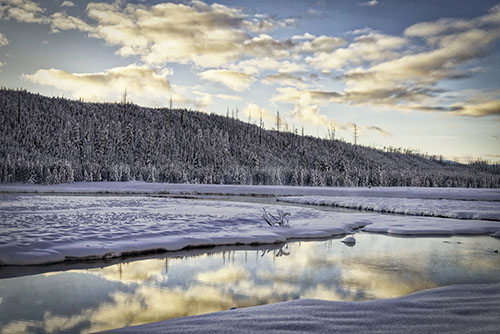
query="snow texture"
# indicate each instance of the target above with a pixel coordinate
(136, 187)
(49, 229)
(489, 210)
(452, 309)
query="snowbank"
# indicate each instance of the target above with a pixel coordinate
(49, 229)
(135, 187)
(489, 210)
(452, 309)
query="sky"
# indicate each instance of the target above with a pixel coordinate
(421, 75)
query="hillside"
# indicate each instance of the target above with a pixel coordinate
(55, 140)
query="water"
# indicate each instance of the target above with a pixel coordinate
(102, 295)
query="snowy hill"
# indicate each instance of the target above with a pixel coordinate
(55, 140)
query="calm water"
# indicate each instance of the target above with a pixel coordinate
(146, 290)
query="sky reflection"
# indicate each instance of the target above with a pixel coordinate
(143, 291)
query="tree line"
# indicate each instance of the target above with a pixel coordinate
(56, 140)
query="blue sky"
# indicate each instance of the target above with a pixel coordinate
(414, 74)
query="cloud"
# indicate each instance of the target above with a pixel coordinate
(22, 11)
(228, 97)
(234, 80)
(206, 35)
(262, 23)
(254, 112)
(284, 79)
(477, 109)
(1, 65)
(3, 40)
(322, 44)
(67, 4)
(306, 104)
(371, 47)
(407, 79)
(203, 101)
(266, 46)
(62, 21)
(256, 65)
(412, 78)
(370, 3)
(450, 26)
(379, 130)
(143, 84)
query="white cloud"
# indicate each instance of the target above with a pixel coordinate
(266, 46)
(1, 65)
(3, 40)
(306, 104)
(322, 44)
(228, 97)
(143, 84)
(206, 35)
(203, 101)
(255, 65)
(483, 103)
(254, 112)
(67, 4)
(372, 47)
(62, 21)
(22, 11)
(378, 130)
(450, 26)
(370, 3)
(234, 80)
(284, 79)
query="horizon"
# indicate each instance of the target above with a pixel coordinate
(411, 75)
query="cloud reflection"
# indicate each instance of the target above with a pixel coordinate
(377, 267)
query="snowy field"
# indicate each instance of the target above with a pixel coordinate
(42, 224)
(453, 309)
(48, 229)
(460, 209)
(136, 187)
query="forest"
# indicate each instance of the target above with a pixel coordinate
(53, 140)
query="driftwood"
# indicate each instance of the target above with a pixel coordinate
(281, 220)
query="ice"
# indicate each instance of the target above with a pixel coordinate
(461, 209)
(452, 309)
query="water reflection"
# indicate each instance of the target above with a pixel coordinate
(131, 293)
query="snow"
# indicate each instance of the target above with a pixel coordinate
(461, 209)
(349, 241)
(48, 229)
(136, 187)
(452, 309)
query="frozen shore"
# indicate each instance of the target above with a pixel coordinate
(136, 187)
(445, 208)
(50, 229)
(452, 309)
